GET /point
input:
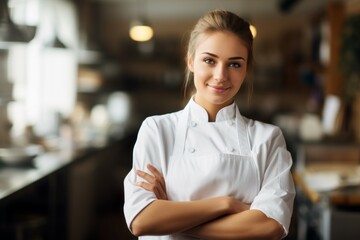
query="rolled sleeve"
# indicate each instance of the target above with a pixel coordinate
(277, 193)
(145, 152)
(136, 198)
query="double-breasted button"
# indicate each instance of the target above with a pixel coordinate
(191, 150)
(231, 149)
(193, 124)
(231, 122)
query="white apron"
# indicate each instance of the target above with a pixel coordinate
(212, 175)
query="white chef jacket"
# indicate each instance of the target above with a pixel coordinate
(233, 156)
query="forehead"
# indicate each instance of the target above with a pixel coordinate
(223, 44)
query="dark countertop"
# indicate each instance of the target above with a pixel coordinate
(15, 179)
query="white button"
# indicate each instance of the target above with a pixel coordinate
(231, 122)
(191, 150)
(231, 149)
(193, 124)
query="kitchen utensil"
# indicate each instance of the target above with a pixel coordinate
(14, 155)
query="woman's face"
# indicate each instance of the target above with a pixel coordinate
(219, 66)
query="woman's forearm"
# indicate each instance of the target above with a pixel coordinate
(251, 224)
(163, 217)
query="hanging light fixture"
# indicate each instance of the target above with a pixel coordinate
(253, 30)
(9, 31)
(140, 29)
(54, 41)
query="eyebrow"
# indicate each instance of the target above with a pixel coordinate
(231, 58)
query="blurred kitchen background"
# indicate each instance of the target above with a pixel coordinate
(75, 87)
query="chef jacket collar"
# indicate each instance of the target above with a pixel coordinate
(198, 113)
(192, 109)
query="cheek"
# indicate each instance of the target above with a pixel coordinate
(201, 73)
(198, 80)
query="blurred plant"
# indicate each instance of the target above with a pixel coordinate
(350, 55)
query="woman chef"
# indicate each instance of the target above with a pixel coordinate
(206, 171)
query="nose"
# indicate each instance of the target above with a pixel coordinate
(220, 73)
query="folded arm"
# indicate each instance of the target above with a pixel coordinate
(209, 219)
(250, 224)
(214, 218)
(162, 217)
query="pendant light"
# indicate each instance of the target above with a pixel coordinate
(9, 31)
(140, 29)
(55, 41)
(253, 30)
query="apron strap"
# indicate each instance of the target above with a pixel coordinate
(181, 131)
(244, 144)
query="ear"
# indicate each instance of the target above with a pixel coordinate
(190, 63)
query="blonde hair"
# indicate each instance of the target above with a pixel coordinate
(214, 21)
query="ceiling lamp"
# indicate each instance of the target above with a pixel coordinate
(9, 31)
(253, 30)
(140, 31)
(55, 43)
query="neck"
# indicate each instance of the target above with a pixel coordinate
(212, 112)
(211, 109)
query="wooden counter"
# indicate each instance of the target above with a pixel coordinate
(341, 196)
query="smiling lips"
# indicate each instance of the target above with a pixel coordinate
(218, 89)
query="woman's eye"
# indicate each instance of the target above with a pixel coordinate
(235, 65)
(209, 61)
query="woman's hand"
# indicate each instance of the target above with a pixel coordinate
(154, 183)
(235, 206)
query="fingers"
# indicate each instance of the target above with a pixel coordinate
(149, 178)
(157, 175)
(153, 170)
(154, 183)
(159, 192)
(151, 188)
